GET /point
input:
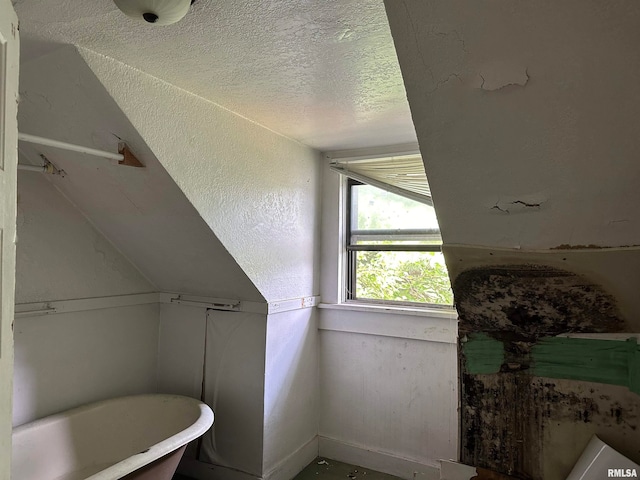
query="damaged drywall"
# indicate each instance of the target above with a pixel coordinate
(512, 307)
(596, 286)
(520, 204)
(526, 302)
(535, 427)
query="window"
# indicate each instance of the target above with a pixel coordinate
(393, 243)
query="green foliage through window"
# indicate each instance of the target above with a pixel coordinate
(394, 249)
(419, 277)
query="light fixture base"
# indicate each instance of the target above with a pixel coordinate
(155, 12)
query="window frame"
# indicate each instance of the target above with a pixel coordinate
(350, 251)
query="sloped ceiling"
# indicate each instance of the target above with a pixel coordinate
(323, 73)
(258, 191)
(527, 119)
(141, 211)
(531, 113)
(60, 255)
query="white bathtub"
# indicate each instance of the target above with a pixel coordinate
(141, 437)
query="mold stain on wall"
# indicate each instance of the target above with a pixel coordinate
(521, 386)
(526, 302)
(522, 425)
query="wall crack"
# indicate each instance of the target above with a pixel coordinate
(515, 206)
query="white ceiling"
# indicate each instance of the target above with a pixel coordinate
(324, 73)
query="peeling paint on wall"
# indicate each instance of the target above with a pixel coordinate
(500, 76)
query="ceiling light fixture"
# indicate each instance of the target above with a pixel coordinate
(157, 12)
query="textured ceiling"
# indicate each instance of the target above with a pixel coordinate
(324, 73)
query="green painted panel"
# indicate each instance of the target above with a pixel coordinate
(483, 354)
(591, 360)
(602, 361)
(634, 367)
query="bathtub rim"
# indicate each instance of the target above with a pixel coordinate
(156, 451)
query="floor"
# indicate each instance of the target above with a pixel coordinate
(325, 469)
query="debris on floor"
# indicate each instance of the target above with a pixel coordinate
(330, 469)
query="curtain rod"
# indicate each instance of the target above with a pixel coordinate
(124, 157)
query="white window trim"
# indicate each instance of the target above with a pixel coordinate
(333, 242)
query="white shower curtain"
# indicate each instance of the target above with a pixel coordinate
(234, 388)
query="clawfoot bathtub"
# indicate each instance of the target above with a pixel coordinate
(139, 437)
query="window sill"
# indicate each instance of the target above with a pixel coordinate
(425, 324)
(444, 313)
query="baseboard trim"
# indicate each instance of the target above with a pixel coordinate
(191, 467)
(376, 460)
(294, 463)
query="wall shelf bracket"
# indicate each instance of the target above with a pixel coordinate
(129, 158)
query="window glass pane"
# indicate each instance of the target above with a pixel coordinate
(376, 209)
(402, 276)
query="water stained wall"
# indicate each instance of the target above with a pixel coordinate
(527, 301)
(548, 358)
(535, 427)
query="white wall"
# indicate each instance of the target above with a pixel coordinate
(60, 255)
(264, 390)
(522, 149)
(388, 376)
(67, 359)
(291, 397)
(181, 346)
(140, 210)
(257, 190)
(388, 390)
